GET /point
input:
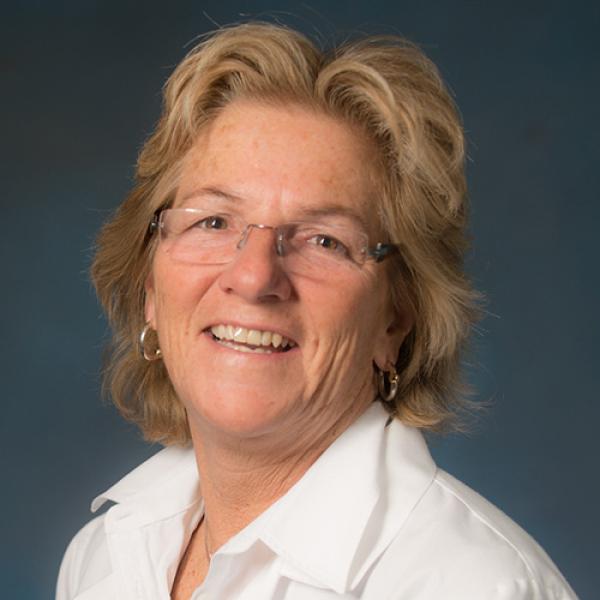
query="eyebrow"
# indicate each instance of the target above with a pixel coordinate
(335, 210)
(328, 210)
(212, 191)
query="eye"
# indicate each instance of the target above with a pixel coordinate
(329, 244)
(214, 222)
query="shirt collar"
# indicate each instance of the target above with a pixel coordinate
(330, 526)
(339, 518)
(165, 484)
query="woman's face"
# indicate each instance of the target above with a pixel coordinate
(274, 165)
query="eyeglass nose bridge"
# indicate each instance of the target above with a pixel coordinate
(279, 236)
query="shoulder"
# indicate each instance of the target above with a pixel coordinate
(488, 527)
(457, 545)
(86, 560)
(165, 484)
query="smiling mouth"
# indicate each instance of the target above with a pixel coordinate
(251, 340)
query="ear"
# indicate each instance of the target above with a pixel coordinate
(394, 329)
(150, 301)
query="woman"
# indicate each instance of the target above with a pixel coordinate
(290, 264)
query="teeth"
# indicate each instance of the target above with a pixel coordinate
(242, 348)
(252, 337)
(240, 335)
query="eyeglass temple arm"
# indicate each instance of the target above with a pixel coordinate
(153, 226)
(381, 251)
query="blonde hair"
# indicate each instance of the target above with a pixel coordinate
(394, 93)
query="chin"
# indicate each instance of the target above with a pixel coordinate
(239, 413)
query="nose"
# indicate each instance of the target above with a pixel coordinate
(256, 273)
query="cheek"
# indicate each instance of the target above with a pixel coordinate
(338, 361)
(345, 324)
(178, 296)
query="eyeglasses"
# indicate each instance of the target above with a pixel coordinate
(202, 237)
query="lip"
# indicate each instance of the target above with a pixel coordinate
(258, 327)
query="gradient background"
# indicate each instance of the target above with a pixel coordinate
(81, 87)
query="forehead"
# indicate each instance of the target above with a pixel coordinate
(281, 160)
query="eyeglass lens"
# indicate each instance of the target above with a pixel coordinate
(190, 236)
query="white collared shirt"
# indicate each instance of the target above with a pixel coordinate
(373, 518)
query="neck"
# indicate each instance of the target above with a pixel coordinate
(240, 479)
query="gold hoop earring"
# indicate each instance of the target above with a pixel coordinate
(387, 383)
(156, 353)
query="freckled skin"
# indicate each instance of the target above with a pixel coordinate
(278, 160)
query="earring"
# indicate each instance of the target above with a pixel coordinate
(156, 353)
(387, 389)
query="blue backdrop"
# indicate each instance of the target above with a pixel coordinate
(81, 87)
